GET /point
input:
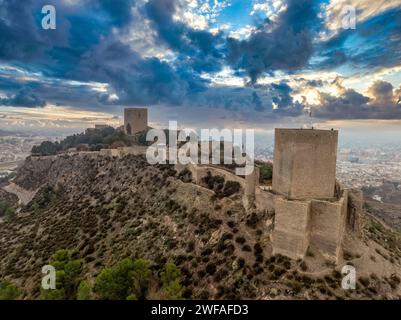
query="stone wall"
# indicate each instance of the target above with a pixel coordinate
(292, 226)
(355, 208)
(301, 223)
(250, 184)
(328, 225)
(135, 150)
(305, 163)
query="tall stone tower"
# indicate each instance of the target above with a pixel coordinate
(308, 211)
(305, 163)
(135, 120)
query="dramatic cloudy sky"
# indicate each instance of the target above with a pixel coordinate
(235, 63)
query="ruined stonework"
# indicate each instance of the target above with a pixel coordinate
(251, 184)
(292, 227)
(305, 163)
(135, 120)
(355, 207)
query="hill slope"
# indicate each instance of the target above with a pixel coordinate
(108, 209)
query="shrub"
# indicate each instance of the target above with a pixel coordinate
(230, 188)
(8, 291)
(96, 139)
(266, 171)
(211, 268)
(171, 287)
(125, 279)
(115, 283)
(6, 210)
(240, 240)
(68, 273)
(141, 277)
(84, 291)
(303, 266)
(185, 175)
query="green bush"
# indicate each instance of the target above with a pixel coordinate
(266, 171)
(126, 280)
(6, 210)
(170, 277)
(95, 138)
(8, 291)
(141, 277)
(84, 291)
(115, 283)
(68, 272)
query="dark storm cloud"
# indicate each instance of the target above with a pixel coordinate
(137, 80)
(287, 47)
(24, 98)
(94, 53)
(257, 101)
(88, 47)
(353, 105)
(383, 92)
(17, 25)
(197, 49)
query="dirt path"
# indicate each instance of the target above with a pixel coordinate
(24, 196)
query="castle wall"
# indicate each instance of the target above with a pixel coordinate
(135, 150)
(252, 182)
(355, 208)
(135, 120)
(328, 225)
(264, 200)
(109, 152)
(305, 163)
(292, 225)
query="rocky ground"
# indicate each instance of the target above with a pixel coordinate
(108, 209)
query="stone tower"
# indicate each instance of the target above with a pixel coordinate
(307, 210)
(135, 120)
(305, 163)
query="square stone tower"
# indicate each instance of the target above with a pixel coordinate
(135, 120)
(305, 163)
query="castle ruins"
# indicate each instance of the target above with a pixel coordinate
(309, 207)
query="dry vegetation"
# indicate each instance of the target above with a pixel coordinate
(108, 209)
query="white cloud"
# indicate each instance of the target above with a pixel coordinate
(242, 33)
(200, 14)
(271, 8)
